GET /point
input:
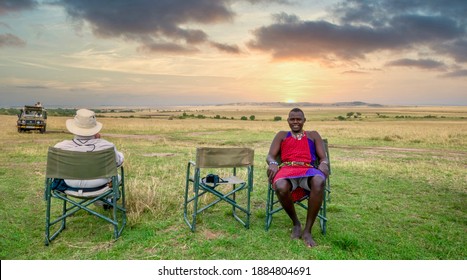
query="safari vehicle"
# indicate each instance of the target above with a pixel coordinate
(32, 118)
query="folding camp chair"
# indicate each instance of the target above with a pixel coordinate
(300, 197)
(63, 164)
(237, 164)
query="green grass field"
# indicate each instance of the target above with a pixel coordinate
(399, 187)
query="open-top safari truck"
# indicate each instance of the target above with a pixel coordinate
(32, 118)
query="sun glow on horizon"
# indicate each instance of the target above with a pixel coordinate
(290, 100)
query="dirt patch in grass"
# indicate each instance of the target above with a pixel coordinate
(133, 136)
(210, 235)
(398, 149)
(159, 155)
(201, 133)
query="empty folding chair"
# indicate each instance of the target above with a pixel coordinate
(224, 174)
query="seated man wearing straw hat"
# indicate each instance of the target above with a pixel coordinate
(87, 139)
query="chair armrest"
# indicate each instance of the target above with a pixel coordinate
(190, 165)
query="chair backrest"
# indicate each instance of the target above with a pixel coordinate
(207, 157)
(326, 149)
(81, 165)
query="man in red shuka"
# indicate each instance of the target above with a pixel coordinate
(298, 150)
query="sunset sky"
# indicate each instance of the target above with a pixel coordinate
(189, 52)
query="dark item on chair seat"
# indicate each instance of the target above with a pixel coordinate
(212, 178)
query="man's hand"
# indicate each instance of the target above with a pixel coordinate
(272, 170)
(323, 166)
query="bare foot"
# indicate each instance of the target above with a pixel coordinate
(296, 232)
(308, 239)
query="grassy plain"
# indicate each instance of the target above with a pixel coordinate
(399, 187)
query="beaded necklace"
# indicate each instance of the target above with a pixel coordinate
(299, 135)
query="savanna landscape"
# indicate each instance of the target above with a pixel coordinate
(399, 186)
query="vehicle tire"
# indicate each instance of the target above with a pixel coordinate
(20, 130)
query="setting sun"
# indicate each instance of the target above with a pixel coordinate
(290, 100)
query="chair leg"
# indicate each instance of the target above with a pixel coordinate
(191, 221)
(234, 200)
(248, 214)
(114, 215)
(323, 219)
(123, 211)
(47, 216)
(185, 203)
(269, 204)
(48, 225)
(195, 206)
(64, 211)
(118, 211)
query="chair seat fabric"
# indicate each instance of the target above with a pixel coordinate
(232, 180)
(83, 194)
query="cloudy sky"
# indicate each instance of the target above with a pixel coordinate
(184, 52)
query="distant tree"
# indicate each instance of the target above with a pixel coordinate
(9, 111)
(341, 118)
(349, 114)
(252, 117)
(244, 118)
(277, 118)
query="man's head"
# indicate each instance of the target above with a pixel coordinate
(84, 123)
(296, 120)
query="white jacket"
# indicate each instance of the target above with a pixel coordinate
(89, 144)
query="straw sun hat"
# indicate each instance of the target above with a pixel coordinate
(84, 123)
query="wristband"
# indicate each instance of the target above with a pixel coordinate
(273, 162)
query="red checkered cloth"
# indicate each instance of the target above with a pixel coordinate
(299, 193)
